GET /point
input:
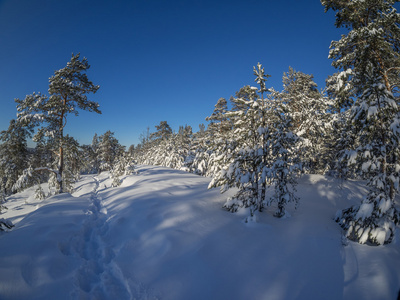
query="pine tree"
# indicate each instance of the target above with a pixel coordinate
(94, 154)
(3, 196)
(370, 51)
(218, 138)
(219, 123)
(197, 160)
(286, 163)
(14, 154)
(42, 159)
(376, 121)
(243, 159)
(109, 149)
(308, 109)
(68, 89)
(263, 130)
(131, 150)
(73, 162)
(163, 131)
(39, 193)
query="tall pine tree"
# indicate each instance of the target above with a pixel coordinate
(68, 89)
(369, 55)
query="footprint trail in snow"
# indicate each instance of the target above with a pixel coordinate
(98, 277)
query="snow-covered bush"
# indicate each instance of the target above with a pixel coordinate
(39, 193)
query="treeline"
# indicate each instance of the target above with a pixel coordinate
(57, 158)
(351, 129)
(22, 167)
(259, 138)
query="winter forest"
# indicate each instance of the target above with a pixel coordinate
(256, 144)
(259, 138)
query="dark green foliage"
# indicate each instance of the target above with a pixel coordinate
(14, 154)
(68, 89)
(369, 58)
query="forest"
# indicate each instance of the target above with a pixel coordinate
(259, 139)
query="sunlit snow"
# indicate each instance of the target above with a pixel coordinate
(163, 235)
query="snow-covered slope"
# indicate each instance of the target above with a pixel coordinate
(163, 235)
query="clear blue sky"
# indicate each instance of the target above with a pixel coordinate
(157, 60)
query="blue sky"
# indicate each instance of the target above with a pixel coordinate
(157, 60)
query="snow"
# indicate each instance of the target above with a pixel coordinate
(163, 235)
(372, 111)
(365, 211)
(352, 156)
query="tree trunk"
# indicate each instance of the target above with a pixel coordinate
(61, 163)
(61, 168)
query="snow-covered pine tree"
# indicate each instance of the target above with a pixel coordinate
(14, 153)
(73, 162)
(371, 51)
(39, 193)
(218, 138)
(219, 123)
(3, 198)
(178, 148)
(338, 92)
(308, 109)
(117, 170)
(129, 164)
(163, 131)
(143, 146)
(68, 89)
(286, 165)
(123, 165)
(198, 157)
(263, 130)
(166, 148)
(244, 170)
(43, 156)
(376, 121)
(4, 223)
(245, 157)
(131, 150)
(91, 161)
(219, 142)
(109, 149)
(94, 153)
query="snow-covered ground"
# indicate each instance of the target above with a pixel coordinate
(163, 235)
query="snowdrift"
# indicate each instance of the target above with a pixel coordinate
(163, 235)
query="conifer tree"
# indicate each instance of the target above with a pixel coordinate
(119, 168)
(245, 157)
(369, 54)
(197, 160)
(94, 154)
(308, 110)
(73, 162)
(286, 164)
(218, 138)
(68, 89)
(109, 149)
(3, 196)
(163, 131)
(14, 154)
(178, 148)
(43, 156)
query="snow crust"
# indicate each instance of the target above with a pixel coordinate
(163, 235)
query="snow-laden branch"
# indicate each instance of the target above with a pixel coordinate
(23, 180)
